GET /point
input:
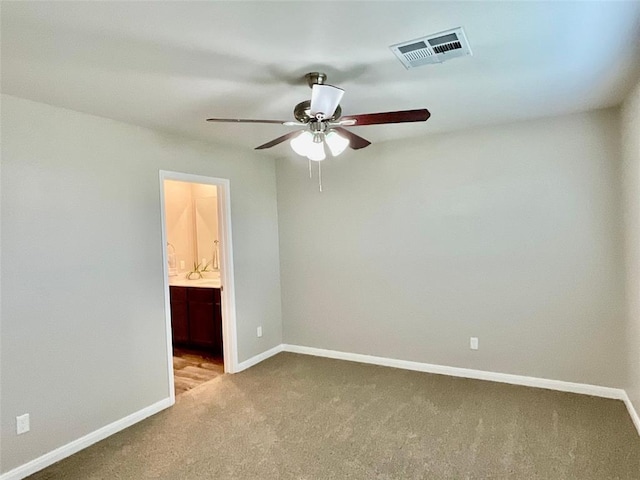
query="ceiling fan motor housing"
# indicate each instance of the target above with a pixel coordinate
(302, 112)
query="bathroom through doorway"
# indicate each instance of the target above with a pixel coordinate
(198, 291)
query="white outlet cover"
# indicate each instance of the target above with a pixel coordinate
(473, 343)
(259, 331)
(22, 424)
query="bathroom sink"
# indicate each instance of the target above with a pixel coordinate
(200, 282)
(208, 282)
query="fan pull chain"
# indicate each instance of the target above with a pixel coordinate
(320, 176)
(310, 168)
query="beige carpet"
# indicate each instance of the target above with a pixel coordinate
(300, 417)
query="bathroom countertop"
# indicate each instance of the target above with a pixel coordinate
(181, 281)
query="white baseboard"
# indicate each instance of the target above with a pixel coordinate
(595, 390)
(83, 442)
(257, 359)
(635, 418)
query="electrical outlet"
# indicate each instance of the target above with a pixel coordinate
(22, 424)
(473, 343)
(181, 264)
(259, 331)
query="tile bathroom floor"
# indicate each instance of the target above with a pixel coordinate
(192, 368)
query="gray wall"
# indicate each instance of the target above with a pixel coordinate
(509, 233)
(83, 322)
(631, 182)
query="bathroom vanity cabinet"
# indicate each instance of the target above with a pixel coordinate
(196, 318)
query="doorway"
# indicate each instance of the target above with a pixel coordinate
(198, 279)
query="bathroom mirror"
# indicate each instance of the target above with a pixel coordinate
(206, 231)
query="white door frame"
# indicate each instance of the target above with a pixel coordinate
(227, 294)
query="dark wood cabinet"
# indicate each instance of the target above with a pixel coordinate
(179, 315)
(201, 324)
(196, 318)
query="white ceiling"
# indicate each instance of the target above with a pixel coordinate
(170, 65)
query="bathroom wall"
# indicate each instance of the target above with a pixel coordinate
(179, 222)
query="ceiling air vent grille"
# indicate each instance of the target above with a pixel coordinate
(436, 48)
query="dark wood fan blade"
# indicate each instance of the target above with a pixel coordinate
(278, 140)
(246, 120)
(355, 142)
(388, 117)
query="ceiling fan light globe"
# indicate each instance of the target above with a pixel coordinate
(302, 143)
(336, 143)
(316, 152)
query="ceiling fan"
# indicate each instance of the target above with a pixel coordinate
(322, 123)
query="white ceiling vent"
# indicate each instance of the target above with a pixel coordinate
(436, 48)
